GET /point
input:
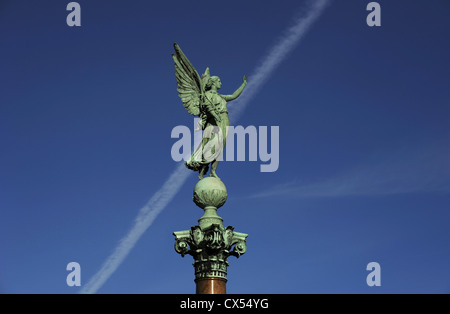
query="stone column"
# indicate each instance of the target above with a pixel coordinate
(209, 243)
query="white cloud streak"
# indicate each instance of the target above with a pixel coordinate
(166, 193)
(288, 41)
(142, 222)
(424, 170)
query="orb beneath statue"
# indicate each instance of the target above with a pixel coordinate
(210, 192)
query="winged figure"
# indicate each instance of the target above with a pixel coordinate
(200, 97)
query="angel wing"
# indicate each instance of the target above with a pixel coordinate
(205, 77)
(190, 86)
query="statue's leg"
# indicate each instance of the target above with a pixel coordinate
(203, 170)
(222, 141)
(213, 169)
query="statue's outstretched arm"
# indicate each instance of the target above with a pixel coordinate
(237, 93)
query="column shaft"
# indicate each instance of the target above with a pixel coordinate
(211, 286)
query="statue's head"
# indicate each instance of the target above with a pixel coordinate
(213, 81)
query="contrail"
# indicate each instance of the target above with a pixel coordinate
(166, 193)
(143, 221)
(278, 53)
(423, 168)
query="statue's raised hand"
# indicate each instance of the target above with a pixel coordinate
(245, 79)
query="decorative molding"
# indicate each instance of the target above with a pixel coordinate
(210, 248)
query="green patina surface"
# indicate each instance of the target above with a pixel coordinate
(209, 243)
(201, 98)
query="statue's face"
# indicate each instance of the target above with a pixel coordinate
(218, 83)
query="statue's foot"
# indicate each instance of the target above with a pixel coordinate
(213, 174)
(202, 172)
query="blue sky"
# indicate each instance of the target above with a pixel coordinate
(86, 115)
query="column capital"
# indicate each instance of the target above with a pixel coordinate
(210, 248)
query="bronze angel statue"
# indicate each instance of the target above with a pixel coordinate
(200, 97)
